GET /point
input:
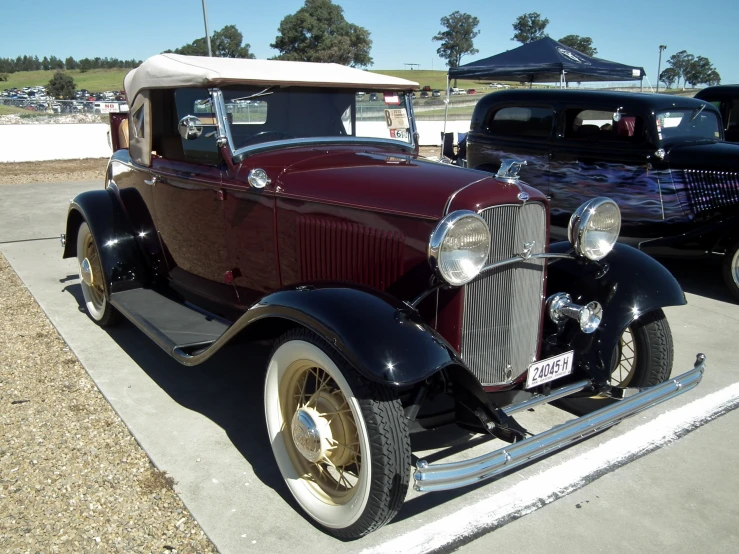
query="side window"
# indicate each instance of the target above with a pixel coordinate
(197, 102)
(138, 123)
(599, 125)
(524, 121)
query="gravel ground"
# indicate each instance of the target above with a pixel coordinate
(72, 478)
(16, 173)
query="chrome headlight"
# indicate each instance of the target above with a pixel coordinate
(459, 247)
(594, 228)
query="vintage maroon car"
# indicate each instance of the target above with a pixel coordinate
(255, 199)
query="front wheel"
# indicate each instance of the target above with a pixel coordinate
(731, 270)
(340, 441)
(644, 354)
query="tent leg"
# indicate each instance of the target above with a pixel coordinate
(446, 114)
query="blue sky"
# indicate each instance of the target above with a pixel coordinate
(628, 31)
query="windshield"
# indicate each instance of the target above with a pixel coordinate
(264, 114)
(690, 124)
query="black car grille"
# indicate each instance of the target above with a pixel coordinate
(709, 190)
(502, 310)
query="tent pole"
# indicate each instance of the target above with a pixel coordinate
(446, 114)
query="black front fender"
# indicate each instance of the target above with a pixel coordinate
(385, 340)
(119, 253)
(627, 283)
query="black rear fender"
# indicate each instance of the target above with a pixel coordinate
(627, 283)
(119, 253)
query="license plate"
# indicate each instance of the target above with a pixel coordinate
(550, 369)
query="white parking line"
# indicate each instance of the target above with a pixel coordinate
(541, 489)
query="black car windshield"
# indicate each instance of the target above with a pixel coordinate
(688, 124)
(265, 114)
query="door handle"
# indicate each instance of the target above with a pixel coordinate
(152, 181)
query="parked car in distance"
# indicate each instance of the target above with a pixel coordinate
(436, 93)
(373, 97)
(398, 293)
(726, 99)
(471, 91)
(426, 88)
(660, 157)
(424, 94)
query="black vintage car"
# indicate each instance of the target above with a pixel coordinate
(726, 99)
(662, 158)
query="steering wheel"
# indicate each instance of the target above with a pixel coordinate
(259, 137)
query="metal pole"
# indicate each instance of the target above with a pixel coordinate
(659, 64)
(207, 31)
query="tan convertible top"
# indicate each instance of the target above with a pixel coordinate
(174, 70)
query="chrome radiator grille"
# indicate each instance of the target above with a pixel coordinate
(708, 190)
(502, 309)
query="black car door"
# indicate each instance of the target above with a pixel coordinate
(603, 152)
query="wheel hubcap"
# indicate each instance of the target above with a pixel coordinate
(86, 272)
(311, 434)
(735, 267)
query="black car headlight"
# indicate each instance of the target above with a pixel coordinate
(459, 247)
(594, 228)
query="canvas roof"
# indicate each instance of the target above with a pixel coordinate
(175, 70)
(543, 61)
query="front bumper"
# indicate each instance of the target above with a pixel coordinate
(438, 477)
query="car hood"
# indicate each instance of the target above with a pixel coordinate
(722, 156)
(390, 182)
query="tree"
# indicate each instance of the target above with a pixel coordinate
(529, 27)
(318, 32)
(680, 62)
(713, 78)
(61, 85)
(669, 76)
(226, 43)
(457, 39)
(699, 70)
(70, 63)
(581, 44)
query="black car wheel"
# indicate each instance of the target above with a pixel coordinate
(340, 441)
(92, 280)
(731, 270)
(644, 354)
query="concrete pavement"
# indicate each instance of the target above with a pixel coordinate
(204, 426)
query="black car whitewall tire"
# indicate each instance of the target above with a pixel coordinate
(731, 270)
(92, 280)
(644, 353)
(350, 472)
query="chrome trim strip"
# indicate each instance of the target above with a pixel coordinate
(284, 143)
(454, 194)
(523, 258)
(438, 477)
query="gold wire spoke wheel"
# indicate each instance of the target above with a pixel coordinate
(332, 462)
(625, 369)
(340, 441)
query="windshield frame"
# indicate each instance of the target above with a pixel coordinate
(691, 112)
(225, 137)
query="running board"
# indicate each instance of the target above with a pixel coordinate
(439, 477)
(175, 327)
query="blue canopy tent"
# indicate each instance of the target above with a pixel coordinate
(546, 61)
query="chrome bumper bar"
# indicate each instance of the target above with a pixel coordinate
(439, 477)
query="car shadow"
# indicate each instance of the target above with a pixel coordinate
(702, 278)
(227, 389)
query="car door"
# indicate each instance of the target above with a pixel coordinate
(602, 151)
(187, 188)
